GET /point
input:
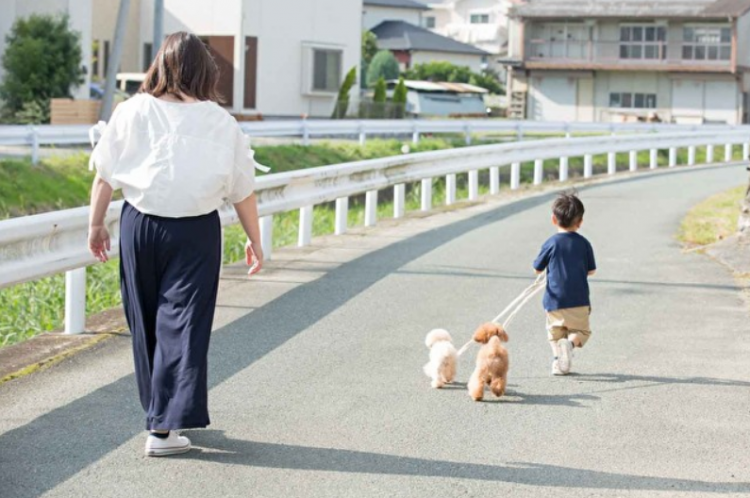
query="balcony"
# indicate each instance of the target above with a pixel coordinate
(628, 55)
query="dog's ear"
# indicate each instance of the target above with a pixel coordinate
(483, 333)
(502, 334)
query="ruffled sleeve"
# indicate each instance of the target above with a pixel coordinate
(107, 150)
(242, 183)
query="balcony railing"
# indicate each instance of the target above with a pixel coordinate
(656, 53)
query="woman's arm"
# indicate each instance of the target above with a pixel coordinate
(101, 196)
(247, 211)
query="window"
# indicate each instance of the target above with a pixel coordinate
(147, 57)
(626, 100)
(712, 43)
(643, 42)
(106, 57)
(479, 19)
(429, 22)
(326, 70)
(95, 58)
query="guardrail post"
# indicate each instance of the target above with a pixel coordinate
(473, 185)
(467, 133)
(654, 159)
(611, 163)
(415, 133)
(305, 132)
(519, 131)
(450, 189)
(362, 135)
(691, 155)
(399, 198)
(426, 194)
(567, 130)
(538, 171)
(515, 176)
(746, 151)
(371, 208)
(728, 153)
(588, 166)
(342, 215)
(633, 160)
(34, 145)
(709, 154)
(75, 301)
(266, 236)
(305, 226)
(494, 180)
(563, 169)
(672, 157)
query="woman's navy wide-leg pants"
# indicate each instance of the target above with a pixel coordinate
(169, 270)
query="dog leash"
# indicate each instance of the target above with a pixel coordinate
(514, 307)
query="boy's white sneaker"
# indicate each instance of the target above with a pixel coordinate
(566, 354)
(556, 368)
(174, 444)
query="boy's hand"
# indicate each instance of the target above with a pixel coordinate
(592, 272)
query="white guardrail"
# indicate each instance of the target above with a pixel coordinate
(306, 129)
(33, 247)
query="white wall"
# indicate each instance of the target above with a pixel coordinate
(472, 61)
(103, 28)
(374, 15)
(79, 12)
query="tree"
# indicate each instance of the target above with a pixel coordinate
(342, 102)
(380, 98)
(369, 46)
(399, 98)
(445, 71)
(42, 61)
(383, 65)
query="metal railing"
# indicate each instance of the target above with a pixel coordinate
(307, 129)
(34, 247)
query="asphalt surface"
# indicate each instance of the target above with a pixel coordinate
(319, 390)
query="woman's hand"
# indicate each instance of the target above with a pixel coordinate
(253, 258)
(99, 242)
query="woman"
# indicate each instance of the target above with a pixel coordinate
(177, 156)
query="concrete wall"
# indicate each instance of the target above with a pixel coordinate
(284, 44)
(79, 12)
(373, 15)
(743, 40)
(472, 61)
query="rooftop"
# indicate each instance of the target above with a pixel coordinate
(632, 8)
(398, 4)
(400, 35)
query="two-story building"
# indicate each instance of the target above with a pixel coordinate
(681, 61)
(399, 27)
(278, 58)
(482, 23)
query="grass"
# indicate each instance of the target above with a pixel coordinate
(35, 307)
(713, 219)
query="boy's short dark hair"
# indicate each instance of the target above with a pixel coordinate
(568, 209)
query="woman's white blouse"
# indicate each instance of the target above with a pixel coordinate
(175, 159)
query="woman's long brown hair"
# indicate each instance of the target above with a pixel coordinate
(183, 66)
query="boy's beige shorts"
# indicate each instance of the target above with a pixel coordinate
(562, 323)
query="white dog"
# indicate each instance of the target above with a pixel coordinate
(442, 366)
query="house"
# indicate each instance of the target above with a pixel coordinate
(482, 23)
(278, 58)
(680, 61)
(442, 99)
(78, 12)
(398, 26)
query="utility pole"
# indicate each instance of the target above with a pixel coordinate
(158, 27)
(114, 61)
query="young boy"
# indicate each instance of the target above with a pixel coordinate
(569, 260)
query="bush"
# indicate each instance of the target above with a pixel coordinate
(399, 98)
(42, 61)
(342, 102)
(383, 65)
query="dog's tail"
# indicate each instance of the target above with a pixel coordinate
(436, 336)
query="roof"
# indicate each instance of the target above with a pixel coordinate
(631, 8)
(440, 86)
(397, 4)
(400, 35)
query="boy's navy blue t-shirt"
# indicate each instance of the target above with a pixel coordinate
(568, 258)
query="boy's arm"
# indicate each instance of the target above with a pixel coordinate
(590, 260)
(541, 261)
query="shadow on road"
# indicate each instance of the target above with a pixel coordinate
(281, 456)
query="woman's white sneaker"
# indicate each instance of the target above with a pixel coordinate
(174, 444)
(566, 353)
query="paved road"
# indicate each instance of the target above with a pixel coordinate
(319, 392)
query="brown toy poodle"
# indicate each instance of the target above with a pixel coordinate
(492, 362)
